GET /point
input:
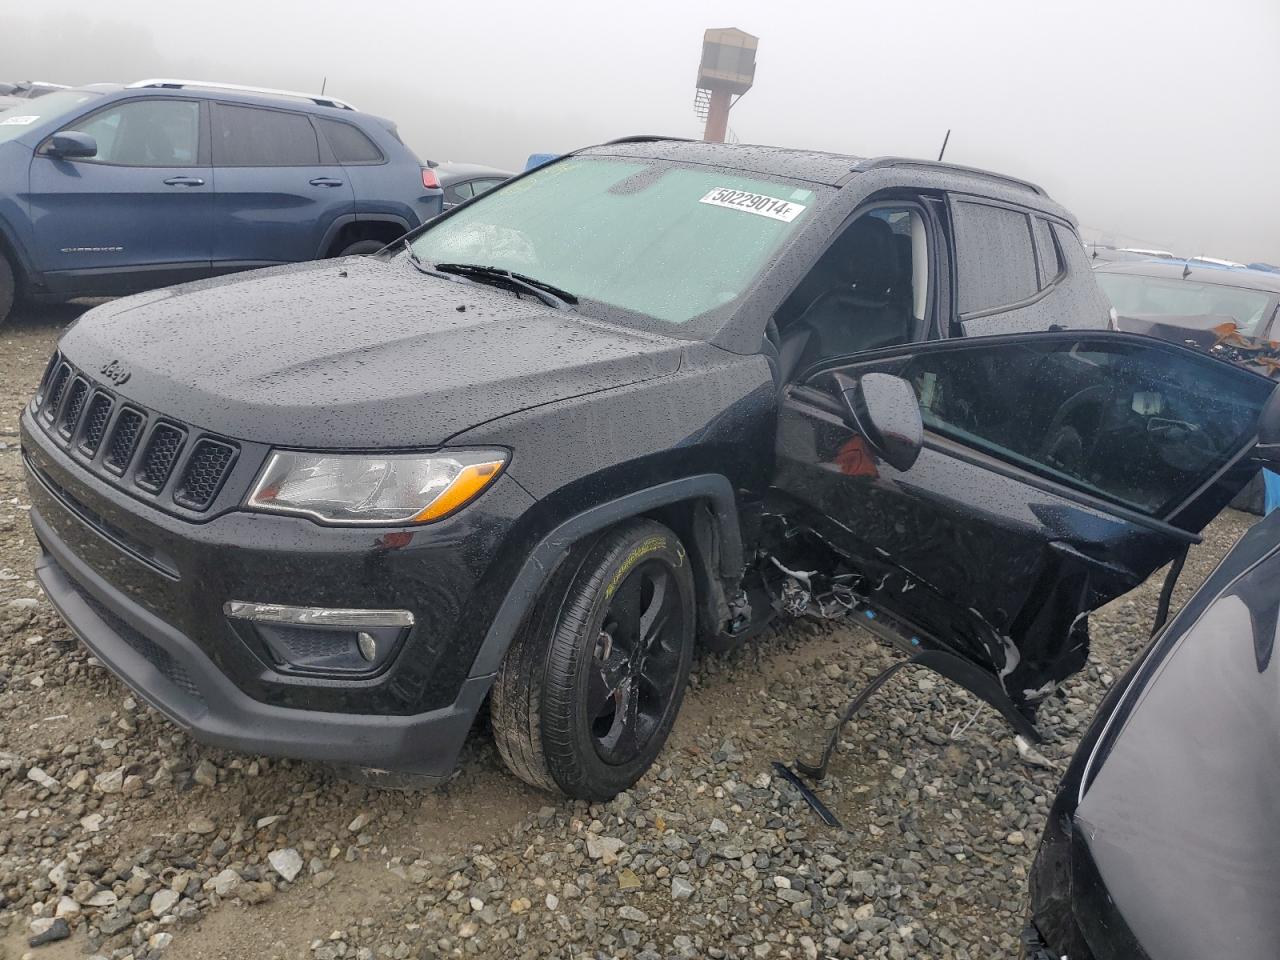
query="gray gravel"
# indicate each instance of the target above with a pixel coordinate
(122, 838)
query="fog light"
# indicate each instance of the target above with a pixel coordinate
(317, 616)
(320, 641)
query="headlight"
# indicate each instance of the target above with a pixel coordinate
(374, 490)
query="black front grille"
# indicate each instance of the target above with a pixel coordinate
(43, 389)
(95, 423)
(57, 385)
(71, 411)
(124, 440)
(207, 467)
(133, 449)
(161, 454)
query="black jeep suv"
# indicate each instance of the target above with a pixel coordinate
(646, 396)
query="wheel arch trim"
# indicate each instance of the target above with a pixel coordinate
(19, 258)
(347, 219)
(551, 549)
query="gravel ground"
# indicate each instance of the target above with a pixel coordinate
(146, 844)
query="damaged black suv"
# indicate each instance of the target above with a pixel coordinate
(644, 397)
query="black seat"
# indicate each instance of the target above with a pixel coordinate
(862, 310)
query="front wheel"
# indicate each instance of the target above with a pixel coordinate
(591, 686)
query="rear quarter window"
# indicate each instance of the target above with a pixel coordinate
(995, 259)
(1051, 266)
(349, 143)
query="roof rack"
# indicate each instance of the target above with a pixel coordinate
(644, 138)
(862, 166)
(319, 99)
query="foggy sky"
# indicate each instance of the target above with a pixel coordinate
(1153, 120)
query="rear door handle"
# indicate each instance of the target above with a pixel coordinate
(184, 182)
(326, 182)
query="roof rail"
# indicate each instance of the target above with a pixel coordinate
(644, 138)
(874, 163)
(169, 84)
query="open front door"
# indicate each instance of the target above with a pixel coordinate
(1058, 471)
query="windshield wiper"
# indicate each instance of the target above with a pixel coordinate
(551, 295)
(423, 267)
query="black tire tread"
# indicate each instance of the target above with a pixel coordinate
(515, 704)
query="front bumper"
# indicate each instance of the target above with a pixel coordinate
(171, 673)
(145, 592)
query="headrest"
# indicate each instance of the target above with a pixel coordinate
(869, 255)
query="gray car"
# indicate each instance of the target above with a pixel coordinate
(462, 181)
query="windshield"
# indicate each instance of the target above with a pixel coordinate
(16, 121)
(1134, 295)
(651, 237)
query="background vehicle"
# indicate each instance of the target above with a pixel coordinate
(462, 181)
(1230, 313)
(13, 92)
(109, 190)
(1105, 253)
(651, 394)
(1160, 844)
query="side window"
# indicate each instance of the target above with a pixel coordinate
(146, 133)
(995, 260)
(868, 290)
(1136, 425)
(250, 137)
(1047, 255)
(461, 191)
(483, 186)
(349, 144)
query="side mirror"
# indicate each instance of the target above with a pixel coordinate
(884, 410)
(71, 144)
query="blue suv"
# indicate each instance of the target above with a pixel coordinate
(108, 190)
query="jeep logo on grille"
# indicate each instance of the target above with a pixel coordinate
(116, 372)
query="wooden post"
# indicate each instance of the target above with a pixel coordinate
(717, 117)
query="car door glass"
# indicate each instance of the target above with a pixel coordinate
(462, 191)
(250, 137)
(146, 133)
(1140, 426)
(483, 186)
(995, 260)
(868, 290)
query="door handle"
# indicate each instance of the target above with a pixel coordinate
(326, 182)
(184, 182)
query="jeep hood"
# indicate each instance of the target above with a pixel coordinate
(355, 353)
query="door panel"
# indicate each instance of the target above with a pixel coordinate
(1053, 464)
(141, 210)
(274, 199)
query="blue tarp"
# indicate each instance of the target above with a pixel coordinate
(1272, 482)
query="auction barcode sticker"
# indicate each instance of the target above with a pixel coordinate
(757, 203)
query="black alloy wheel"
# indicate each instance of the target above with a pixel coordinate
(636, 662)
